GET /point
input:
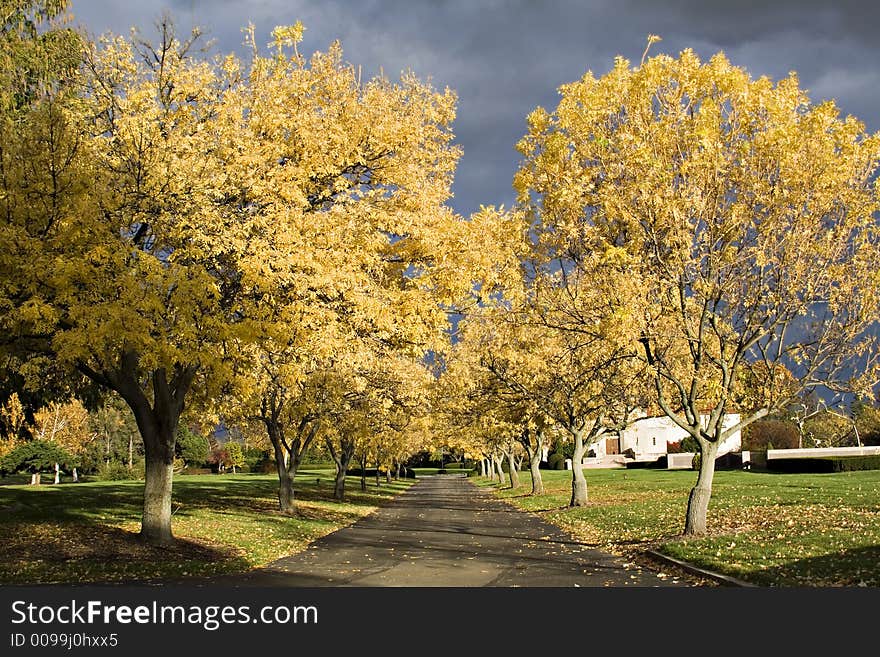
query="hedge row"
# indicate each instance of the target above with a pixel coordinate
(825, 464)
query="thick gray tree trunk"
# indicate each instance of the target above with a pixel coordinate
(701, 493)
(35, 479)
(157, 417)
(512, 470)
(286, 493)
(288, 453)
(482, 467)
(158, 434)
(156, 524)
(578, 481)
(57, 474)
(339, 484)
(533, 443)
(535, 469)
(342, 458)
(499, 468)
(75, 475)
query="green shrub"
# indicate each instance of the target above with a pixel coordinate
(556, 461)
(118, 471)
(34, 456)
(661, 463)
(825, 464)
(193, 448)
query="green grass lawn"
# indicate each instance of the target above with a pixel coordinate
(87, 532)
(769, 529)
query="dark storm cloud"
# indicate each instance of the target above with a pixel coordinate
(504, 57)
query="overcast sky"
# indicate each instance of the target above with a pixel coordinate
(505, 57)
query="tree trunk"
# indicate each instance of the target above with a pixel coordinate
(130, 452)
(397, 475)
(499, 468)
(156, 524)
(698, 501)
(482, 467)
(285, 489)
(535, 468)
(35, 479)
(578, 481)
(75, 475)
(388, 476)
(342, 459)
(57, 474)
(158, 430)
(512, 472)
(339, 484)
(157, 418)
(364, 473)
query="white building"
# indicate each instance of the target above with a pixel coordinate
(649, 437)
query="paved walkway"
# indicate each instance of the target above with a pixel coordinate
(445, 531)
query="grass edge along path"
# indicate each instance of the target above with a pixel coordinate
(808, 530)
(87, 532)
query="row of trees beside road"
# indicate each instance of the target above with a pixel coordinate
(268, 243)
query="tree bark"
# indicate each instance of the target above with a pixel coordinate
(535, 468)
(482, 467)
(512, 472)
(157, 424)
(578, 481)
(35, 479)
(57, 474)
(698, 500)
(156, 523)
(363, 473)
(342, 459)
(75, 475)
(286, 495)
(534, 453)
(499, 468)
(339, 484)
(288, 455)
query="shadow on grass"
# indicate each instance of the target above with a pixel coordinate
(853, 567)
(86, 531)
(82, 552)
(123, 500)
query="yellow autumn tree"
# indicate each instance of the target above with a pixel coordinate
(13, 418)
(743, 212)
(188, 198)
(355, 174)
(67, 425)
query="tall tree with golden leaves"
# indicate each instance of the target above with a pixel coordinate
(744, 214)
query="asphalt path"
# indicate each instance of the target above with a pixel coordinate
(445, 531)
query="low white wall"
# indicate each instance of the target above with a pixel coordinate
(679, 461)
(812, 452)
